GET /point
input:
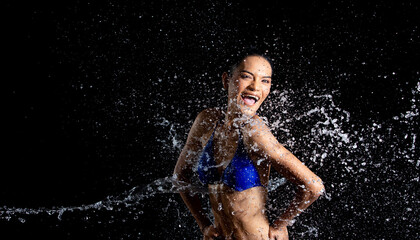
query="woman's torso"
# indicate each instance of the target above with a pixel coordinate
(238, 214)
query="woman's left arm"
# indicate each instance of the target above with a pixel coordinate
(309, 185)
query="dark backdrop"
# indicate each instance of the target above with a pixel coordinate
(85, 84)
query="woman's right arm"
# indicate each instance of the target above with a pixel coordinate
(184, 168)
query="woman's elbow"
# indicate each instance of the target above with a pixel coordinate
(181, 173)
(315, 188)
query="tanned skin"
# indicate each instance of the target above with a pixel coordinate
(241, 214)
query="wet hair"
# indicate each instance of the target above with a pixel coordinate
(236, 59)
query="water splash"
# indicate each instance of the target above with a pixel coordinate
(128, 199)
(318, 131)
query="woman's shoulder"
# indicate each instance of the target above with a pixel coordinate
(258, 135)
(206, 119)
(257, 122)
(209, 115)
(257, 128)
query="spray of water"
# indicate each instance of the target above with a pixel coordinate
(318, 131)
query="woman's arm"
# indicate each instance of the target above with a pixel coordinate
(309, 186)
(184, 167)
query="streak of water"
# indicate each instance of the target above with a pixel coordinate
(318, 131)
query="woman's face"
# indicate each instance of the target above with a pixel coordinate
(249, 85)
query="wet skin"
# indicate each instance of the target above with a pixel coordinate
(238, 214)
(241, 214)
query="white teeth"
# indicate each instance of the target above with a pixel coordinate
(251, 96)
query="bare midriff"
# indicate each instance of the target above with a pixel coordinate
(239, 215)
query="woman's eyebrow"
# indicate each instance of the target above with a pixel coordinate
(253, 74)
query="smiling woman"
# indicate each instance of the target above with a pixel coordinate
(232, 151)
(250, 85)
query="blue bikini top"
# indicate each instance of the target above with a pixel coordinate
(240, 174)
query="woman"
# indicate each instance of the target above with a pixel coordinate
(232, 152)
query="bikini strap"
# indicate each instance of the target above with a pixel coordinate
(214, 130)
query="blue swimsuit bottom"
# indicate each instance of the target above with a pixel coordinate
(240, 174)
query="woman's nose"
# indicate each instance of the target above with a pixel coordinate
(255, 85)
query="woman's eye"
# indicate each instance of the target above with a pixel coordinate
(245, 76)
(266, 81)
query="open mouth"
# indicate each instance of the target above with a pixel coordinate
(249, 99)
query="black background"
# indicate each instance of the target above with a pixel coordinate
(80, 119)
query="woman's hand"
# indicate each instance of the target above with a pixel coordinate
(210, 233)
(278, 234)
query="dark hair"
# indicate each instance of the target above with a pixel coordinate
(236, 59)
